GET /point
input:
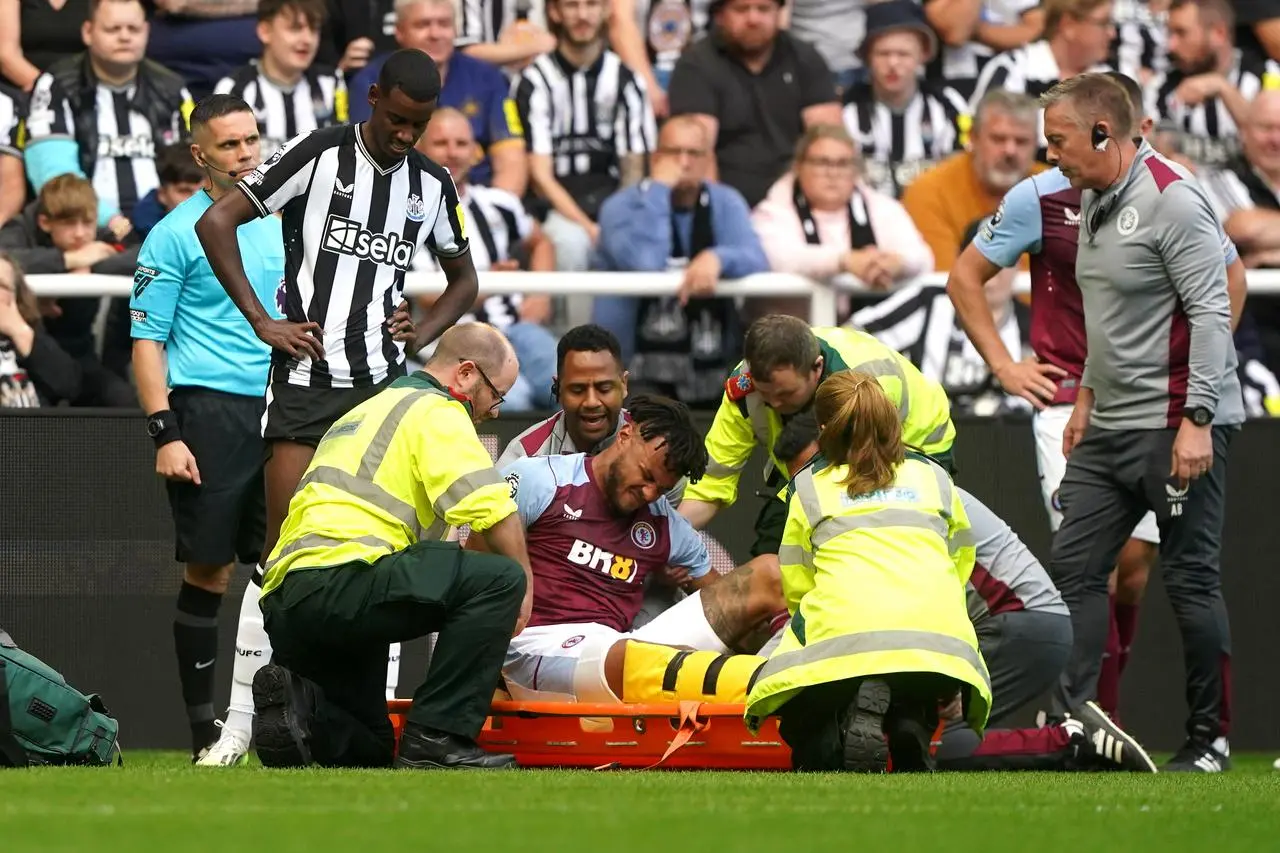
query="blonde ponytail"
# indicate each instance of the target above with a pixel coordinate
(860, 429)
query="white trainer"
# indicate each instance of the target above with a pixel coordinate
(232, 748)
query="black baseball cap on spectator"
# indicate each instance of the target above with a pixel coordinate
(891, 16)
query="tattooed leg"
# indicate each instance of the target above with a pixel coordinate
(754, 638)
(740, 601)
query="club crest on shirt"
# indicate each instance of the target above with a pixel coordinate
(414, 209)
(642, 533)
(1127, 221)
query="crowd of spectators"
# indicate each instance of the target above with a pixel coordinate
(719, 138)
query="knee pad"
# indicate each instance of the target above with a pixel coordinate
(653, 673)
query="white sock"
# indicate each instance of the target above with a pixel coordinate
(393, 670)
(253, 651)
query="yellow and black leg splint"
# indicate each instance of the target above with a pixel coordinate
(652, 673)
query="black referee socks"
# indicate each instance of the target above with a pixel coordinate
(195, 638)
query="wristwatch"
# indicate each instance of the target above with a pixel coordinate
(1198, 415)
(163, 427)
(156, 424)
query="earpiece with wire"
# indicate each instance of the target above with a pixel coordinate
(1100, 137)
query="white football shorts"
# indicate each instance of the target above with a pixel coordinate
(565, 663)
(1049, 425)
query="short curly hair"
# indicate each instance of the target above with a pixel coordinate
(670, 420)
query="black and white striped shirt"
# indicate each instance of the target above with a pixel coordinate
(1209, 134)
(1261, 389)
(483, 21)
(920, 322)
(351, 230)
(125, 166)
(959, 66)
(898, 146)
(10, 116)
(497, 224)
(319, 99)
(1030, 70)
(1238, 186)
(1139, 41)
(585, 119)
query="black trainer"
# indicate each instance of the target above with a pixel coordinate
(1101, 743)
(283, 704)
(1198, 756)
(425, 749)
(865, 748)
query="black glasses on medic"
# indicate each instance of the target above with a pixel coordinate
(493, 389)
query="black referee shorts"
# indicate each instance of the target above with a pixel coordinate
(224, 518)
(304, 415)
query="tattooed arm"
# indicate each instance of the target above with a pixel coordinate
(679, 576)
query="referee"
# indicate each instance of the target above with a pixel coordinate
(357, 202)
(1158, 403)
(204, 410)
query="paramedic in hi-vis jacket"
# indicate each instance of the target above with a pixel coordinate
(875, 556)
(785, 362)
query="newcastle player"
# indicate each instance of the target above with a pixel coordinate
(356, 201)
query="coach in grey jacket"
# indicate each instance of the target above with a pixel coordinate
(1159, 402)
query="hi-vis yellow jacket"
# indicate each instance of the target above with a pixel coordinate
(875, 586)
(401, 467)
(743, 420)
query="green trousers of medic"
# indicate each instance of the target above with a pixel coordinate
(332, 628)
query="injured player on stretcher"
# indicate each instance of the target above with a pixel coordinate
(596, 526)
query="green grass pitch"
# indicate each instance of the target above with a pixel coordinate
(158, 803)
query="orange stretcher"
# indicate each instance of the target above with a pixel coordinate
(676, 736)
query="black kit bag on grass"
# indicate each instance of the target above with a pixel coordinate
(44, 720)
